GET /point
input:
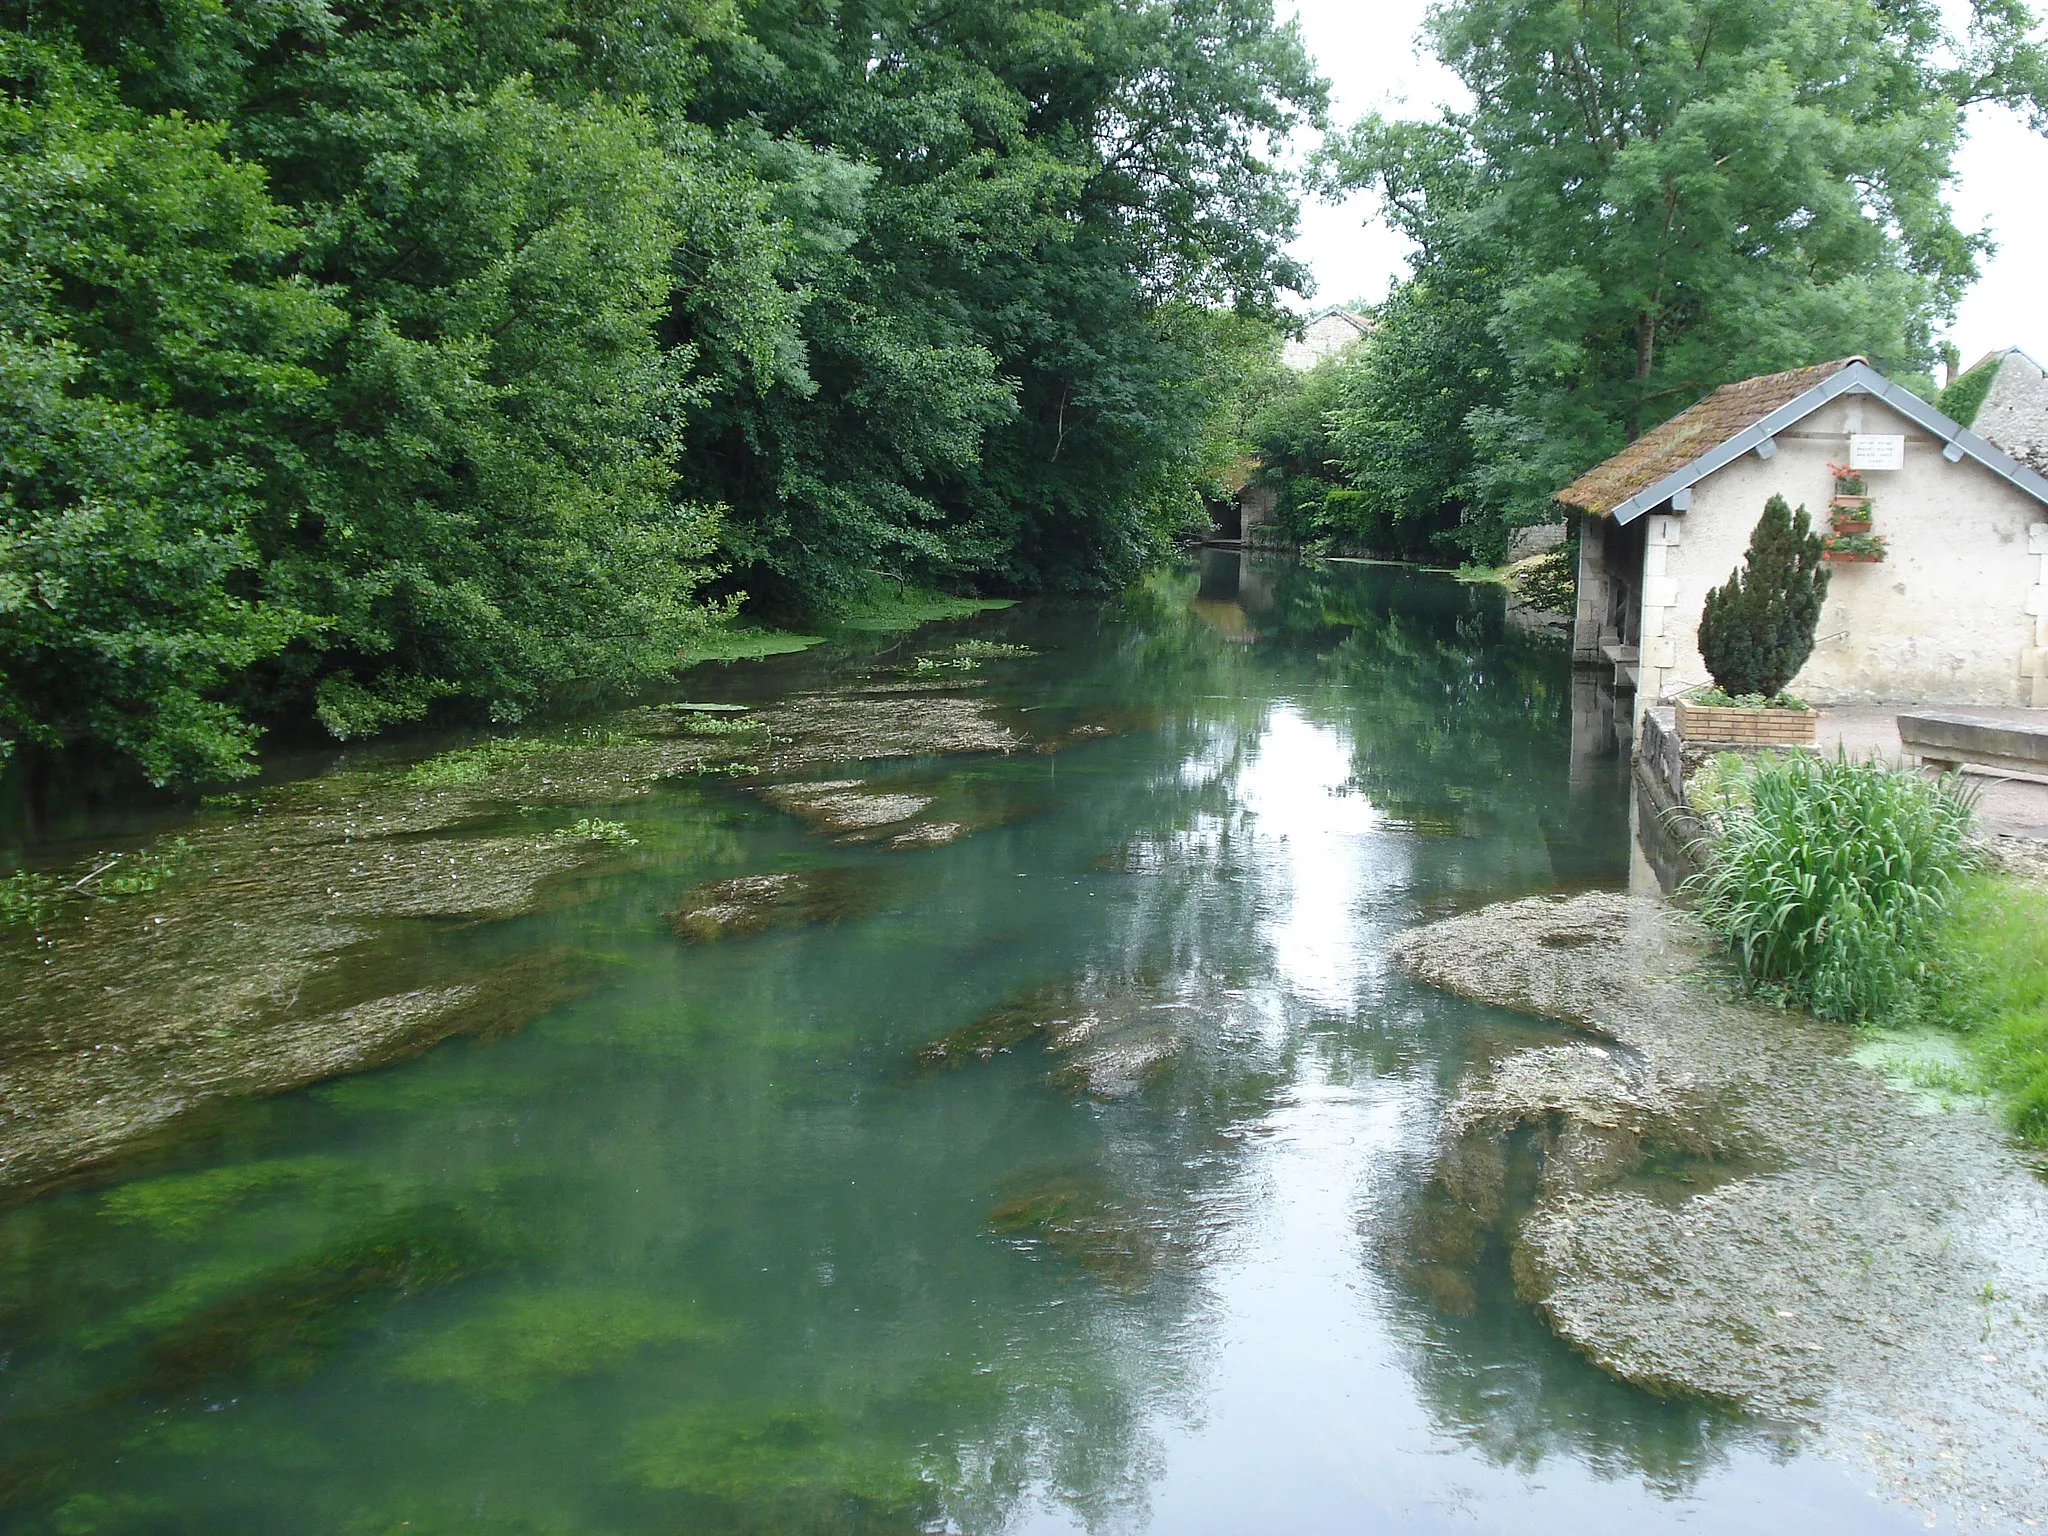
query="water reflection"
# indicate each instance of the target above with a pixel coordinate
(1069, 1183)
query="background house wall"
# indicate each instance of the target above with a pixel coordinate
(2014, 414)
(1944, 618)
(1324, 336)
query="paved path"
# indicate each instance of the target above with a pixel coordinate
(2008, 806)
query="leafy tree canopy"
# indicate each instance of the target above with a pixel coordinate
(368, 358)
(1649, 198)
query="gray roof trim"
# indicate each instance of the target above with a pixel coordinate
(1856, 379)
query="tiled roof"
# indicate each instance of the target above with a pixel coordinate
(1685, 437)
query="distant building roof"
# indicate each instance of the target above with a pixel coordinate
(1746, 417)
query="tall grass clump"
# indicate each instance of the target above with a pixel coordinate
(1831, 881)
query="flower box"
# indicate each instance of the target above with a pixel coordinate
(1851, 557)
(1860, 503)
(1843, 524)
(1722, 726)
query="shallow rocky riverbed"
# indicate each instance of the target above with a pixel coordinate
(1710, 1197)
(263, 964)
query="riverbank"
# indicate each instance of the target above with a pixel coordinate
(1728, 1205)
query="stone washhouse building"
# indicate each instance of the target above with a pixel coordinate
(1956, 611)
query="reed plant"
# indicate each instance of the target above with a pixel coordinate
(1831, 880)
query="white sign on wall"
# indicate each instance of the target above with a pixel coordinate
(1876, 452)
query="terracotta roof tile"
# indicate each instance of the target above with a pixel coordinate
(1686, 436)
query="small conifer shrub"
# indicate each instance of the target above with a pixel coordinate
(1757, 631)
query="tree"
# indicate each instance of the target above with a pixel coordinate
(1757, 631)
(376, 359)
(152, 348)
(1400, 432)
(1651, 198)
(1006, 371)
(1297, 459)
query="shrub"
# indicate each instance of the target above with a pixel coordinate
(1708, 696)
(1757, 631)
(1831, 881)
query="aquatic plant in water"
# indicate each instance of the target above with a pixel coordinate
(516, 1344)
(726, 909)
(787, 1468)
(591, 829)
(183, 1206)
(473, 765)
(282, 1323)
(33, 896)
(1829, 880)
(1080, 1222)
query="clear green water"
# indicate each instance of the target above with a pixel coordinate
(711, 1250)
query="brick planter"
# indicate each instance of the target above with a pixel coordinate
(1705, 723)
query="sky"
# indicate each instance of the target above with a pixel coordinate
(1367, 49)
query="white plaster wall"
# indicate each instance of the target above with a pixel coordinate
(1945, 618)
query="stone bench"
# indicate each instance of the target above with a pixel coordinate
(1946, 742)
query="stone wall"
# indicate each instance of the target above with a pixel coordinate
(1540, 539)
(2015, 413)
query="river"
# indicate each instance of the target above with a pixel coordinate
(1047, 1169)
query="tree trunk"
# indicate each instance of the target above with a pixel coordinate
(1646, 355)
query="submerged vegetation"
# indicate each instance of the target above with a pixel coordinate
(32, 897)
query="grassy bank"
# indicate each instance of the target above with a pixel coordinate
(1996, 941)
(886, 609)
(1851, 889)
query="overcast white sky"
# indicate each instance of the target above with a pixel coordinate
(1367, 49)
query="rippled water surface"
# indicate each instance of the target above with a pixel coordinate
(1057, 1179)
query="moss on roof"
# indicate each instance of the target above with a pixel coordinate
(1685, 437)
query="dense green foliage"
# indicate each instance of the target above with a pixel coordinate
(1297, 459)
(149, 346)
(1847, 888)
(366, 355)
(1649, 199)
(1757, 631)
(1832, 880)
(1965, 394)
